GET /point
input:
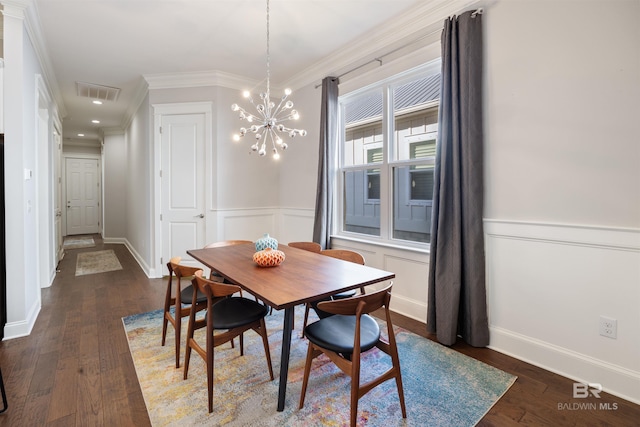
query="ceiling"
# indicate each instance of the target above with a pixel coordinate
(115, 43)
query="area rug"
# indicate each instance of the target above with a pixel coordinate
(97, 262)
(442, 387)
(78, 242)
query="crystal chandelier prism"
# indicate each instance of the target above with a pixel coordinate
(267, 124)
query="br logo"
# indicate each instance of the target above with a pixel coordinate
(582, 391)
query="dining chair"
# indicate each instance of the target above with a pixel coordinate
(346, 335)
(181, 300)
(343, 254)
(307, 246)
(215, 276)
(234, 315)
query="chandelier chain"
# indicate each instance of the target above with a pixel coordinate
(268, 52)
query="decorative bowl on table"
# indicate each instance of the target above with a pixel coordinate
(268, 257)
(265, 242)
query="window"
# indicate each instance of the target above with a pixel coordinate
(387, 156)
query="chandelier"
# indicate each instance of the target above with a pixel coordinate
(267, 124)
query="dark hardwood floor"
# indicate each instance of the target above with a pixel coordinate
(74, 369)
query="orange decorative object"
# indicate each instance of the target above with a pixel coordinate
(268, 257)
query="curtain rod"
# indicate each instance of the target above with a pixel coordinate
(378, 59)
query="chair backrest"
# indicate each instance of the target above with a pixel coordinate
(226, 243)
(361, 304)
(182, 270)
(307, 246)
(213, 289)
(172, 261)
(344, 254)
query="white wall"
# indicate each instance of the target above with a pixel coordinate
(115, 187)
(21, 69)
(563, 186)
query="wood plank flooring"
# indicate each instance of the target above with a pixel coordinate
(74, 369)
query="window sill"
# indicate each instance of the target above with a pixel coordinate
(417, 248)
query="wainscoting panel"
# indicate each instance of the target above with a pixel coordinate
(549, 284)
(411, 268)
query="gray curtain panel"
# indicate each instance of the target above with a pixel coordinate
(457, 295)
(326, 161)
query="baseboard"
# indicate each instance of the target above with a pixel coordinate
(23, 328)
(615, 380)
(150, 272)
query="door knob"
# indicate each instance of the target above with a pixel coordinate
(199, 216)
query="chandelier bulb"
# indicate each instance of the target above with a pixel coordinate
(236, 137)
(260, 108)
(235, 107)
(287, 92)
(284, 146)
(302, 132)
(288, 105)
(246, 94)
(262, 152)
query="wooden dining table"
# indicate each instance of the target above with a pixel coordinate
(303, 277)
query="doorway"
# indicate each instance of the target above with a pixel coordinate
(181, 140)
(82, 190)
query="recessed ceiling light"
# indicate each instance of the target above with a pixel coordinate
(81, 134)
(97, 102)
(95, 121)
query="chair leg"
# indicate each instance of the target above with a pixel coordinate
(164, 327)
(5, 405)
(305, 377)
(306, 319)
(265, 343)
(210, 371)
(178, 326)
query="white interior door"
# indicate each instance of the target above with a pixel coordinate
(57, 195)
(83, 195)
(182, 182)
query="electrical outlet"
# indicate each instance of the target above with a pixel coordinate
(608, 327)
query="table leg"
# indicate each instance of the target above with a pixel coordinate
(284, 358)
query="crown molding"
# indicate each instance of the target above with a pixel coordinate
(28, 11)
(140, 94)
(198, 79)
(424, 22)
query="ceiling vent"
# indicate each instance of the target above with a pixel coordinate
(93, 91)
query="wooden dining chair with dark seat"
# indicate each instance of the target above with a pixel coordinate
(347, 334)
(180, 299)
(234, 315)
(343, 254)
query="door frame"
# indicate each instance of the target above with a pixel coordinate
(96, 157)
(160, 110)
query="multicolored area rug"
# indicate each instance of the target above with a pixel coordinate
(442, 387)
(97, 262)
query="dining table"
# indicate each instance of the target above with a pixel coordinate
(301, 278)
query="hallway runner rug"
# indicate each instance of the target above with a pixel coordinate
(97, 262)
(442, 387)
(78, 242)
